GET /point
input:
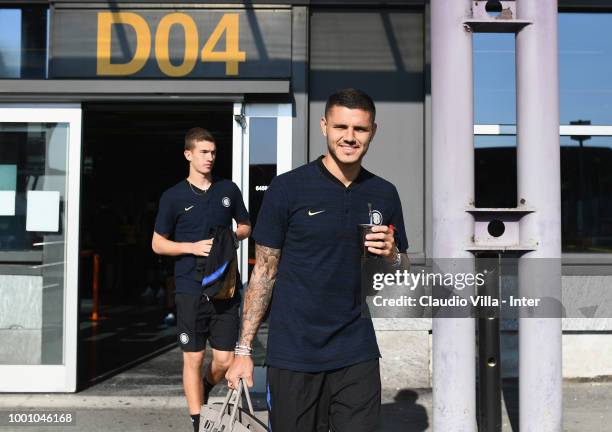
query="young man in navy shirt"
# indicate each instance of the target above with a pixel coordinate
(187, 212)
(322, 355)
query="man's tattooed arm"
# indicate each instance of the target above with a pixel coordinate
(259, 292)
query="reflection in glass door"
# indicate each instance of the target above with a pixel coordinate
(262, 150)
(39, 193)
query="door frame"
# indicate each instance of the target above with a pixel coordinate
(55, 378)
(243, 113)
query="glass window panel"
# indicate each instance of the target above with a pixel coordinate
(494, 78)
(586, 186)
(586, 194)
(23, 42)
(10, 43)
(33, 166)
(495, 171)
(585, 67)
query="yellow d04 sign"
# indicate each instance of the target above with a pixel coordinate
(159, 43)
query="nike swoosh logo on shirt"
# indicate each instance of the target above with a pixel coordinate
(311, 213)
(189, 208)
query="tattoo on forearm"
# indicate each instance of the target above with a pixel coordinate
(259, 292)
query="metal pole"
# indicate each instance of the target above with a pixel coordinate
(454, 350)
(539, 184)
(489, 359)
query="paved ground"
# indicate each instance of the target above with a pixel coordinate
(149, 397)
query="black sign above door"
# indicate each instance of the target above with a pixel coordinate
(204, 43)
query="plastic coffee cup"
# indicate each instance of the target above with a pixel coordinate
(365, 229)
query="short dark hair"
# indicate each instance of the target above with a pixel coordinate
(197, 134)
(353, 99)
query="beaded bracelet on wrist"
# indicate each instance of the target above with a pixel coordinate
(243, 350)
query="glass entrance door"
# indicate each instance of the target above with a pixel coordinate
(262, 150)
(39, 227)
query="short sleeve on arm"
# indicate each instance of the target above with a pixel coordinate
(272, 220)
(164, 222)
(397, 219)
(240, 213)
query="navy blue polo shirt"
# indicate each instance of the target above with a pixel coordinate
(188, 215)
(315, 321)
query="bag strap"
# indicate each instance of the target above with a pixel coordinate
(242, 388)
(222, 411)
(236, 404)
(248, 398)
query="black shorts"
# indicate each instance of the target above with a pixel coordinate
(199, 320)
(340, 400)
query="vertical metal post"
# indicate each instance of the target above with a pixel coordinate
(489, 359)
(454, 351)
(538, 164)
(299, 83)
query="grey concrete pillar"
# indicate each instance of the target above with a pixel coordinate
(538, 164)
(299, 84)
(454, 376)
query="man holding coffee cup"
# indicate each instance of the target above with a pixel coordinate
(322, 355)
